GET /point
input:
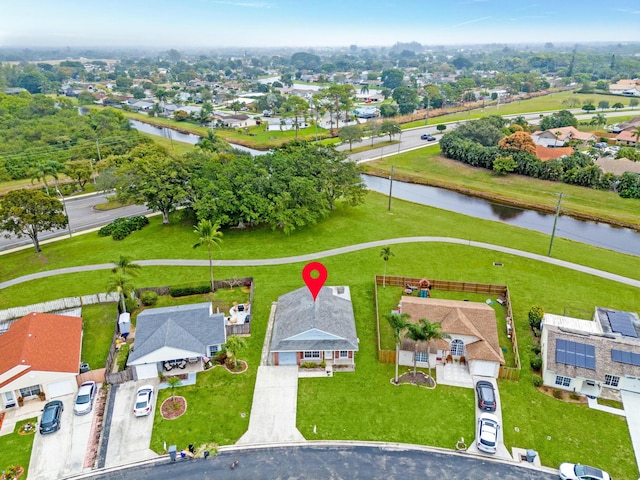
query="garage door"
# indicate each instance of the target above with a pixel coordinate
(148, 370)
(287, 358)
(483, 369)
(58, 389)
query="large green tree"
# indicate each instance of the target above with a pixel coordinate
(392, 78)
(406, 98)
(350, 134)
(30, 212)
(161, 183)
(295, 107)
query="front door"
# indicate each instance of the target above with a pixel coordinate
(9, 399)
(328, 354)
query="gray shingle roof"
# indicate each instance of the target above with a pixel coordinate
(185, 327)
(304, 325)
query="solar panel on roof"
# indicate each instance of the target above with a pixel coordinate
(621, 322)
(630, 358)
(575, 354)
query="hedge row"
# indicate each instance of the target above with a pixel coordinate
(184, 290)
(121, 228)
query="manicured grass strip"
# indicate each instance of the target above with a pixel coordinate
(15, 449)
(99, 322)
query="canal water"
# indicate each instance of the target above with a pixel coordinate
(603, 235)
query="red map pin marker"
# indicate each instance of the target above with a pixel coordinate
(314, 284)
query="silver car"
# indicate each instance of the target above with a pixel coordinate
(84, 399)
(487, 437)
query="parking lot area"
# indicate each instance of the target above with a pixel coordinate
(130, 436)
(61, 453)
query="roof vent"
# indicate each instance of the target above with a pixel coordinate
(340, 290)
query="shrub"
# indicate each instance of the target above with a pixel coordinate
(184, 290)
(123, 354)
(574, 396)
(535, 317)
(537, 381)
(536, 363)
(535, 348)
(557, 393)
(149, 298)
(120, 228)
(323, 364)
(309, 365)
(131, 304)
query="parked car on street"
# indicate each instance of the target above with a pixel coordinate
(142, 404)
(575, 471)
(487, 436)
(84, 399)
(486, 396)
(50, 421)
(427, 137)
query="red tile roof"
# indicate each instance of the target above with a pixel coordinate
(546, 153)
(42, 342)
(628, 136)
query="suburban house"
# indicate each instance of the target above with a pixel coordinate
(618, 166)
(473, 330)
(40, 354)
(628, 87)
(236, 121)
(545, 153)
(585, 356)
(308, 331)
(171, 337)
(285, 124)
(558, 137)
(627, 138)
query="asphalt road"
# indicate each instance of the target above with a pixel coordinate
(332, 462)
(82, 216)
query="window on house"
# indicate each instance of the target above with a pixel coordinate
(611, 380)
(344, 354)
(563, 381)
(213, 349)
(457, 347)
(421, 357)
(315, 354)
(31, 391)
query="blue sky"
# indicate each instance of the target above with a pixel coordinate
(312, 23)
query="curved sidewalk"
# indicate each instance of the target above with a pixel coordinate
(329, 253)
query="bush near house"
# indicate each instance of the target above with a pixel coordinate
(121, 228)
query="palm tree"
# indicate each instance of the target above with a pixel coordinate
(636, 133)
(418, 332)
(233, 346)
(364, 89)
(122, 284)
(433, 331)
(209, 235)
(386, 254)
(43, 168)
(173, 382)
(125, 263)
(399, 322)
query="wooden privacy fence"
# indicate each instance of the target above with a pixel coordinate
(502, 291)
(95, 375)
(119, 377)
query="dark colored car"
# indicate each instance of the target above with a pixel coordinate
(486, 396)
(50, 421)
(428, 137)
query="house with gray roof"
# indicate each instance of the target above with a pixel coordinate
(586, 356)
(174, 336)
(308, 331)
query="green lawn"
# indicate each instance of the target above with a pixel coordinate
(99, 322)
(363, 404)
(428, 167)
(15, 449)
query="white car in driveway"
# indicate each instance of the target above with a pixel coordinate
(575, 471)
(84, 399)
(143, 401)
(487, 436)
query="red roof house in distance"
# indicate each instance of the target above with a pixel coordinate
(545, 153)
(39, 353)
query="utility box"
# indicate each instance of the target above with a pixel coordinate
(173, 451)
(531, 455)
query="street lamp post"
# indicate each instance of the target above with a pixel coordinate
(64, 206)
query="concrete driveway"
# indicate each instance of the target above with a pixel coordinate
(631, 402)
(130, 436)
(502, 451)
(62, 453)
(273, 411)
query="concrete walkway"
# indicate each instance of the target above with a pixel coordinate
(273, 412)
(329, 253)
(631, 402)
(593, 403)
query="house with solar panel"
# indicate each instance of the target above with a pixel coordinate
(587, 356)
